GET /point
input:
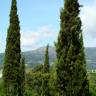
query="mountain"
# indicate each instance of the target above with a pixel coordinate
(91, 57)
(35, 57)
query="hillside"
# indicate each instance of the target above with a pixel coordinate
(35, 57)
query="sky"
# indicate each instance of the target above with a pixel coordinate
(40, 22)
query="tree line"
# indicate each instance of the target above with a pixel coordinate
(68, 76)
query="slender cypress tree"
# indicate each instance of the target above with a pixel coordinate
(22, 78)
(71, 68)
(12, 54)
(46, 60)
(45, 75)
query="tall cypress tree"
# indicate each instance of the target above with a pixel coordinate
(45, 75)
(71, 67)
(46, 60)
(12, 54)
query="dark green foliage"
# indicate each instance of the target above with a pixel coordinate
(71, 69)
(45, 84)
(12, 55)
(92, 83)
(38, 68)
(52, 81)
(22, 78)
(46, 60)
(34, 83)
(45, 75)
(1, 88)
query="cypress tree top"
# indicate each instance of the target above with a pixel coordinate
(46, 60)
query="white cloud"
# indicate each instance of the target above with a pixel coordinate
(47, 31)
(34, 39)
(88, 17)
(28, 38)
(45, 34)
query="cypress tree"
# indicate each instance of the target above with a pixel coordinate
(71, 66)
(22, 78)
(46, 60)
(45, 75)
(12, 54)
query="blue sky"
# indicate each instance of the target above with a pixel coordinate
(39, 21)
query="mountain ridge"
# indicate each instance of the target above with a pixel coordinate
(36, 56)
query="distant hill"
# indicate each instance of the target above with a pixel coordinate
(35, 57)
(91, 57)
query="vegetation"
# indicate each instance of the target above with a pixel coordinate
(12, 55)
(1, 88)
(22, 78)
(46, 61)
(52, 84)
(45, 75)
(92, 83)
(33, 83)
(71, 69)
(67, 76)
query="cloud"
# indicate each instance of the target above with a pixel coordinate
(40, 37)
(88, 16)
(33, 39)
(28, 38)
